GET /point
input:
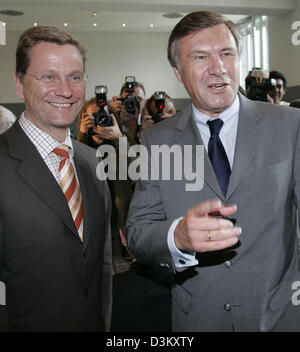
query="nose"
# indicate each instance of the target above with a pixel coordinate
(64, 89)
(216, 66)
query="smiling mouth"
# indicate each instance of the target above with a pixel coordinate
(218, 86)
(61, 105)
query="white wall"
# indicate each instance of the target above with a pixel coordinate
(284, 56)
(110, 57)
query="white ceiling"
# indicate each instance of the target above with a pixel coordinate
(138, 15)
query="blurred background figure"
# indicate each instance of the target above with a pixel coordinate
(157, 108)
(259, 85)
(7, 119)
(278, 93)
(93, 134)
(128, 108)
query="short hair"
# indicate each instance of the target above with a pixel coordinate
(35, 35)
(278, 75)
(194, 22)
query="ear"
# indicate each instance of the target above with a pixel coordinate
(19, 87)
(178, 74)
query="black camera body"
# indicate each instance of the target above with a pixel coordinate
(131, 103)
(102, 118)
(159, 100)
(259, 85)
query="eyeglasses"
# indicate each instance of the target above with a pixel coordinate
(53, 79)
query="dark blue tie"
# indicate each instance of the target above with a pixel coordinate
(217, 154)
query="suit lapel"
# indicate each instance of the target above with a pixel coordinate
(35, 173)
(248, 135)
(188, 134)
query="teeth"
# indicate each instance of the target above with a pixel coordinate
(218, 86)
(61, 105)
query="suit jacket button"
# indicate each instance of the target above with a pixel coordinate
(228, 264)
(227, 307)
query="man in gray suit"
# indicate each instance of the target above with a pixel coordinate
(232, 245)
(55, 250)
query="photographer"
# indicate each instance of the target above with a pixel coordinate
(259, 86)
(129, 122)
(278, 93)
(121, 190)
(157, 109)
(87, 124)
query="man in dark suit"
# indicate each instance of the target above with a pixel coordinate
(250, 183)
(55, 250)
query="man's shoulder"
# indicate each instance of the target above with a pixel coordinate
(168, 126)
(85, 151)
(274, 112)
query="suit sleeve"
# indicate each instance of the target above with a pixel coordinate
(147, 225)
(107, 264)
(4, 324)
(297, 173)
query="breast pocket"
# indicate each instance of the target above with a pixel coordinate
(272, 171)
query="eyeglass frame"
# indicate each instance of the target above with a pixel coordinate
(38, 77)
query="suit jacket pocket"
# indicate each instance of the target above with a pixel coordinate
(283, 293)
(277, 302)
(183, 298)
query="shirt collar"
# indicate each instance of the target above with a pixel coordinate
(227, 116)
(42, 140)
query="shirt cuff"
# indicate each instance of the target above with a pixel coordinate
(181, 259)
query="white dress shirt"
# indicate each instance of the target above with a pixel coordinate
(184, 259)
(45, 145)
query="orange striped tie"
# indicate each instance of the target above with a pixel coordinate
(70, 187)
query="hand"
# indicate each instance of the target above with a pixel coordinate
(147, 121)
(87, 121)
(270, 99)
(110, 132)
(202, 231)
(166, 115)
(115, 104)
(127, 119)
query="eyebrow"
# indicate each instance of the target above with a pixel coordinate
(207, 52)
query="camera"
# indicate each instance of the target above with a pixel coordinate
(258, 84)
(130, 102)
(159, 100)
(102, 118)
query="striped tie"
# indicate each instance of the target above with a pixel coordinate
(70, 187)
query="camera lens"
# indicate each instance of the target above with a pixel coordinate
(130, 105)
(103, 119)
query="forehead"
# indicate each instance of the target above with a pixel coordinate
(138, 91)
(46, 55)
(216, 37)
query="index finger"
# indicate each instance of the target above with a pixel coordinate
(214, 207)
